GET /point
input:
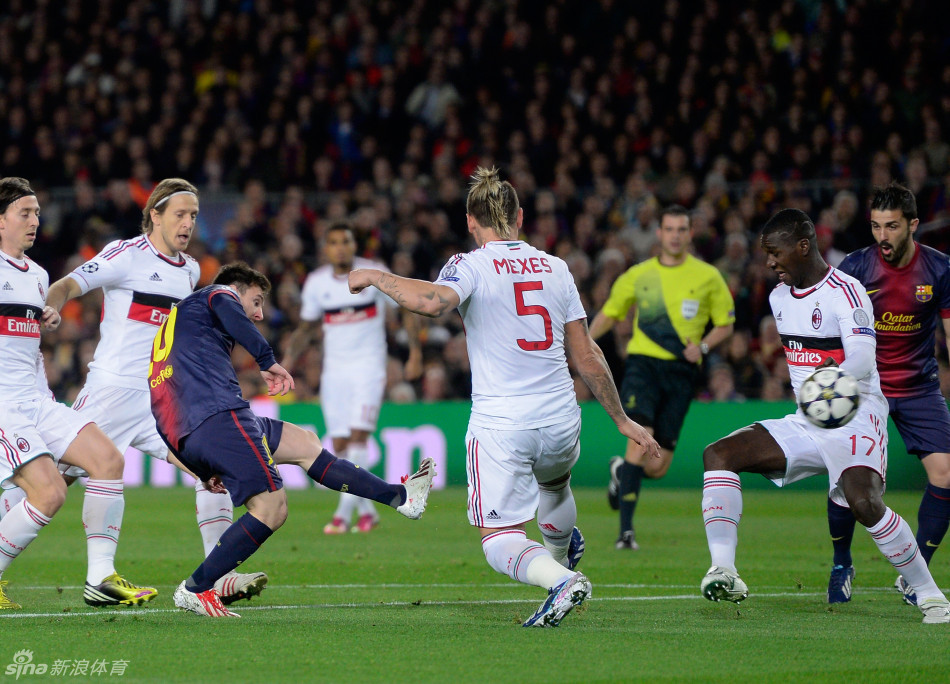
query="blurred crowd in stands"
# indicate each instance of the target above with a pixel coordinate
(290, 115)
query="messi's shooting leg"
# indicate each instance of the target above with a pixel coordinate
(304, 449)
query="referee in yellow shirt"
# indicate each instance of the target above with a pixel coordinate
(676, 296)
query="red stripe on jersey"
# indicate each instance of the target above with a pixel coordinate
(351, 316)
(23, 269)
(117, 251)
(17, 326)
(228, 292)
(852, 295)
(802, 295)
(812, 357)
(152, 315)
(168, 260)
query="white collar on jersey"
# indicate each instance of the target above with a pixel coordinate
(12, 259)
(165, 257)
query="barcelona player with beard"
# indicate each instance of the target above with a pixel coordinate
(909, 286)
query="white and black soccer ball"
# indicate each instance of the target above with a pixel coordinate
(829, 397)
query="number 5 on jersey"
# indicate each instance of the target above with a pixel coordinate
(533, 310)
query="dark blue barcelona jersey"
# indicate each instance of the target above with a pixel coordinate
(908, 302)
(191, 377)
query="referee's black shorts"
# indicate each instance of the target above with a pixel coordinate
(657, 394)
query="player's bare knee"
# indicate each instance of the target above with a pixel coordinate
(938, 469)
(715, 457)
(655, 471)
(279, 514)
(314, 442)
(108, 464)
(868, 508)
(48, 499)
(269, 507)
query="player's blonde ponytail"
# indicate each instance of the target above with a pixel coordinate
(493, 202)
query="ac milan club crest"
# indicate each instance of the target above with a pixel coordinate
(816, 318)
(39, 286)
(22, 445)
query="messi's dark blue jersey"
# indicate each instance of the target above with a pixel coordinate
(908, 302)
(191, 376)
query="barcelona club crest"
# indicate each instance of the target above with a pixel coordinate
(924, 293)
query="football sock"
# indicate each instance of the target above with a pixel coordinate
(358, 454)
(10, 498)
(511, 553)
(102, 510)
(236, 545)
(933, 518)
(17, 529)
(215, 513)
(343, 476)
(841, 524)
(630, 478)
(557, 515)
(722, 509)
(895, 540)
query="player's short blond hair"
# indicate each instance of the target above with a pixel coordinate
(162, 192)
(493, 203)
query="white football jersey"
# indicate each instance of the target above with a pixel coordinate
(354, 325)
(23, 288)
(139, 285)
(515, 303)
(821, 322)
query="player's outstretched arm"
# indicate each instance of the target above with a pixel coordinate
(62, 291)
(278, 380)
(591, 364)
(419, 296)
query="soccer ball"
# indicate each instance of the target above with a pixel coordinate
(829, 397)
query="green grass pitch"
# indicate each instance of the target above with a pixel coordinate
(415, 601)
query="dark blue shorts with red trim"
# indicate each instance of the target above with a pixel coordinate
(923, 422)
(236, 446)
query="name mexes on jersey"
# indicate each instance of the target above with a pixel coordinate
(522, 266)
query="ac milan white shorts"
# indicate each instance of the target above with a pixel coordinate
(504, 468)
(125, 416)
(29, 429)
(811, 450)
(350, 399)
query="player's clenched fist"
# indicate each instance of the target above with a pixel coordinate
(361, 278)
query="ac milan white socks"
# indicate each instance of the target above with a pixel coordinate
(722, 509)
